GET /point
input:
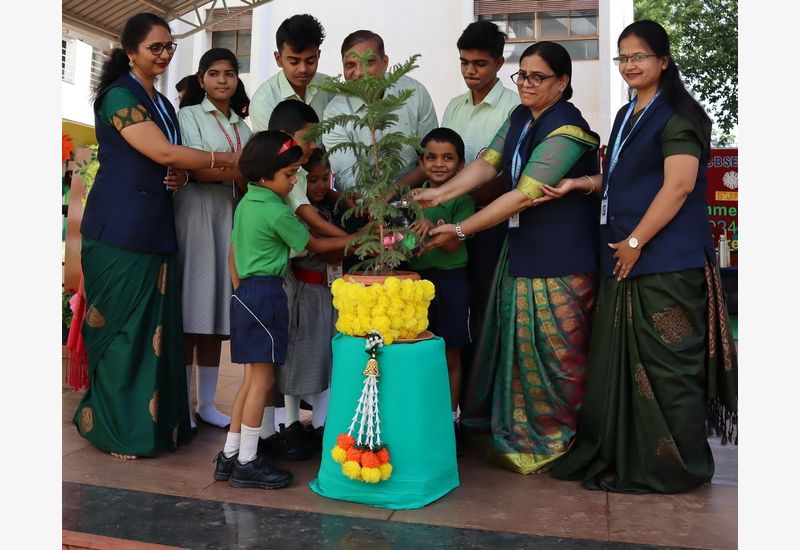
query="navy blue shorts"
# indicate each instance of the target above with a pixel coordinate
(448, 315)
(259, 321)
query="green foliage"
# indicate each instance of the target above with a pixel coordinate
(87, 170)
(379, 164)
(704, 39)
(66, 311)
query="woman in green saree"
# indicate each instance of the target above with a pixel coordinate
(136, 403)
(661, 347)
(525, 386)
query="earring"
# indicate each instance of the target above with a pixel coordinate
(130, 62)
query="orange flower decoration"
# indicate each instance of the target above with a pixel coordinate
(370, 460)
(345, 441)
(66, 147)
(383, 455)
(354, 454)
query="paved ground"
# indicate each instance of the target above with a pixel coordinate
(173, 500)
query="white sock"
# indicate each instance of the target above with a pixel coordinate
(291, 409)
(248, 447)
(189, 393)
(206, 392)
(232, 444)
(267, 422)
(280, 415)
(320, 403)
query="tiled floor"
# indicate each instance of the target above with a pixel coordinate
(510, 509)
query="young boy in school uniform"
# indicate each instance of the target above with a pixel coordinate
(446, 267)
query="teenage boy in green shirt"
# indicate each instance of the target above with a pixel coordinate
(477, 115)
(298, 41)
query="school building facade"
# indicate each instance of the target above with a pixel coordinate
(587, 28)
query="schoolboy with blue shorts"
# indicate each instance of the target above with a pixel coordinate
(446, 267)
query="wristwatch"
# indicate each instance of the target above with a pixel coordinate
(459, 233)
(633, 242)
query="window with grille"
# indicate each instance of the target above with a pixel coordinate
(238, 42)
(573, 24)
(68, 60)
(98, 59)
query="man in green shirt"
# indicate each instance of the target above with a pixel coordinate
(416, 117)
(298, 41)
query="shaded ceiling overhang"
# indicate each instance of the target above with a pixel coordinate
(105, 19)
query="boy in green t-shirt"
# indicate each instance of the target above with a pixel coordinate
(264, 231)
(445, 267)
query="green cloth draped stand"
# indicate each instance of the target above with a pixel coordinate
(416, 424)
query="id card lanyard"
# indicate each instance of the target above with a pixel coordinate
(172, 131)
(516, 169)
(230, 142)
(614, 158)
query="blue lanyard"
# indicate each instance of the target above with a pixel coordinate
(161, 109)
(618, 143)
(516, 161)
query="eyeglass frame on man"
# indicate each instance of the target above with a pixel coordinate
(635, 58)
(161, 46)
(527, 78)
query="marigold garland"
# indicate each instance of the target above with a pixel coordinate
(395, 308)
(365, 458)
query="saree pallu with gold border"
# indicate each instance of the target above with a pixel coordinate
(537, 339)
(662, 352)
(136, 403)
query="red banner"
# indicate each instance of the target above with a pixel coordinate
(722, 194)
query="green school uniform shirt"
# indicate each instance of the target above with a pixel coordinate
(264, 230)
(453, 211)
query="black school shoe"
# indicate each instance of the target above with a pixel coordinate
(224, 466)
(260, 473)
(287, 444)
(315, 435)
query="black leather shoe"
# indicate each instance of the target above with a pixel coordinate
(260, 473)
(276, 446)
(298, 435)
(315, 435)
(224, 465)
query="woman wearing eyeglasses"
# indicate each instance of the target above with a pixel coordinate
(526, 384)
(136, 401)
(661, 348)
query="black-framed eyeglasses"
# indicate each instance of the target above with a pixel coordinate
(638, 58)
(533, 79)
(157, 47)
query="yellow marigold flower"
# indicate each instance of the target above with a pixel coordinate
(386, 471)
(338, 454)
(352, 469)
(391, 285)
(371, 475)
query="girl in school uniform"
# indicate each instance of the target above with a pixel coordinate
(212, 117)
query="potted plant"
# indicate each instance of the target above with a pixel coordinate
(370, 297)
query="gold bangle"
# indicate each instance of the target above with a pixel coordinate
(212, 161)
(591, 183)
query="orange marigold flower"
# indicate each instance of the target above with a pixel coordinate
(383, 455)
(354, 454)
(345, 441)
(370, 460)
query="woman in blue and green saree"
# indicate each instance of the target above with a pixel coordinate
(662, 362)
(136, 403)
(525, 386)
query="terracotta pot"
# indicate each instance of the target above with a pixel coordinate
(367, 278)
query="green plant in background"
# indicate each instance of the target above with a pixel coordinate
(66, 309)
(87, 170)
(386, 240)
